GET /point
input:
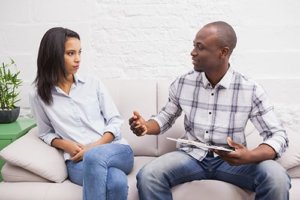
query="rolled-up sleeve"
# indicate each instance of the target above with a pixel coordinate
(170, 112)
(113, 121)
(266, 122)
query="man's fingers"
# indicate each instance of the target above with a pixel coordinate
(140, 131)
(136, 123)
(137, 114)
(233, 144)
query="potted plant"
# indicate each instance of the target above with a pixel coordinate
(9, 83)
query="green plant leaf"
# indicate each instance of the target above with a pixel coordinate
(9, 83)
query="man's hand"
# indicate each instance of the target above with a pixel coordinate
(138, 124)
(241, 155)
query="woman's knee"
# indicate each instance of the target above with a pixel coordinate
(90, 157)
(117, 182)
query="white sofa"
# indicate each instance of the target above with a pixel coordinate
(35, 171)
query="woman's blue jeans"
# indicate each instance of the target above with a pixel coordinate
(267, 179)
(103, 172)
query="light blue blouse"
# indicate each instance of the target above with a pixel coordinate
(82, 116)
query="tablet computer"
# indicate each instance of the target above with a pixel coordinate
(200, 144)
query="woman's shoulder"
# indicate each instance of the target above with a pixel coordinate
(89, 79)
(32, 92)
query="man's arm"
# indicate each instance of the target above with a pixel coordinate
(140, 127)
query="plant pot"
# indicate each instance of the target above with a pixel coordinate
(8, 116)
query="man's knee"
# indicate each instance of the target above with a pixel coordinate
(273, 174)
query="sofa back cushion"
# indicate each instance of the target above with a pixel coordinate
(177, 130)
(135, 95)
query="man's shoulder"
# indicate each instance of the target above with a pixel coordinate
(191, 75)
(188, 76)
(240, 78)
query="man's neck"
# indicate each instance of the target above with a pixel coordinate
(214, 77)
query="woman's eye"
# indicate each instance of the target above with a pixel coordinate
(70, 53)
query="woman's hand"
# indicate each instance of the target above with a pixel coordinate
(107, 137)
(79, 156)
(72, 148)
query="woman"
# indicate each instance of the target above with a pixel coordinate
(78, 116)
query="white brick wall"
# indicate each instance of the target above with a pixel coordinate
(148, 39)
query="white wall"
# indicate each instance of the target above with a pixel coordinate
(130, 39)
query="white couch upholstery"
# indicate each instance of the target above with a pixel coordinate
(35, 171)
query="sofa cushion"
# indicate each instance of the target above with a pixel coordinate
(135, 95)
(291, 158)
(12, 173)
(214, 189)
(40, 191)
(32, 154)
(139, 162)
(294, 172)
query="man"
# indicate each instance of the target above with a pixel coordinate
(217, 102)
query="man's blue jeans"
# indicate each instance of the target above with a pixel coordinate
(103, 172)
(267, 179)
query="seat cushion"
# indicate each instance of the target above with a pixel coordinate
(139, 162)
(12, 173)
(210, 189)
(40, 191)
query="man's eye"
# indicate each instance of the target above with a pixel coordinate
(200, 47)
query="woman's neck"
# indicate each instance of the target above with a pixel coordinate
(66, 83)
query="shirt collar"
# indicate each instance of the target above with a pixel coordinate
(224, 82)
(77, 79)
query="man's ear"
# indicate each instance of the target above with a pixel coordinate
(225, 52)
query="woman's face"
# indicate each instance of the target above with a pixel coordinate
(72, 55)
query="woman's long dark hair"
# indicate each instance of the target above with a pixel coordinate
(50, 61)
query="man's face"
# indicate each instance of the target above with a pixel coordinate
(206, 52)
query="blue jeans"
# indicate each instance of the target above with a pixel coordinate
(103, 172)
(267, 179)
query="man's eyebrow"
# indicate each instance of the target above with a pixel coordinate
(198, 43)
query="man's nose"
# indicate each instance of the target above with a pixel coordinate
(193, 53)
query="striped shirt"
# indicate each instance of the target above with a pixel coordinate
(211, 114)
